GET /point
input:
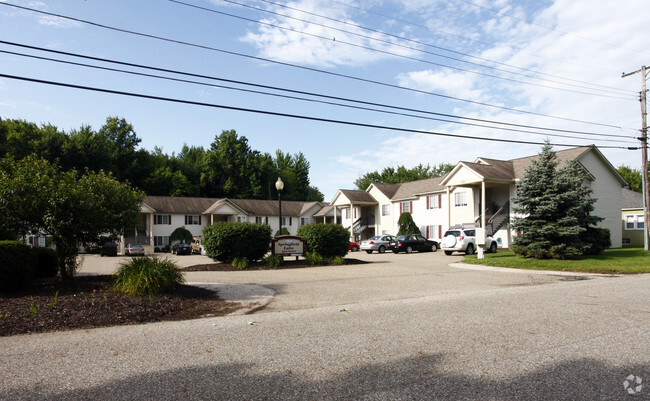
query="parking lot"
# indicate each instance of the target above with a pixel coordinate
(383, 277)
(405, 327)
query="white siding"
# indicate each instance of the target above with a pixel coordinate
(607, 191)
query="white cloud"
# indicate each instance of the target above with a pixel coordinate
(463, 85)
(317, 44)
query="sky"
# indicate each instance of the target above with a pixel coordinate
(355, 85)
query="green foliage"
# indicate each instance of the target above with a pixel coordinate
(273, 261)
(46, 264)
(557, 206)
(282, 231)
(337, 260)
(147, 276)
(391, 175)
(181, 234)
(598, 239)
(228, 168)
(240, 263)
(632, 176)
(226, 241)
(71, 208)
(328, 240)
(16, 267)
(314, 258)
(407, 225)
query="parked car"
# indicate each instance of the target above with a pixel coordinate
(196, 246)
(109, 249)
(133, 249)
(181, 248)
(464, 240)
(353, 246)
(412, 242)
(377, 243)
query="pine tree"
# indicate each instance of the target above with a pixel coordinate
(555, 206)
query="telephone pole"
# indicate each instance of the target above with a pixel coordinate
(644, 152)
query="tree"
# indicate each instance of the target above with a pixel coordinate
(632, 176)
(390, 175)
(37, 197)
(554, 208)
(181, 234)
(407, 225)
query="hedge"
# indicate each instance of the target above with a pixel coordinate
(328, 240)
(17, 267)
(224, 241)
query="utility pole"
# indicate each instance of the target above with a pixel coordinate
(644, 153)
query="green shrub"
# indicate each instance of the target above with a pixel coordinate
(314, 258)
(240, 263)
(46, 264)
(147, 275)
(280, 232)
(337, 260)
(16, 265)
(225, 241)
(274, 261)
(596, 239)
(328, 240)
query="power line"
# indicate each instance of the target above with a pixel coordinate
(365, 80)
(338, 98)
(295, 116)
(360, 46)
(471, 39)
(498, 13)
(592, 85)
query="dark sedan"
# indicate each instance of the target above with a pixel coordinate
(181, 249)
(412, 242)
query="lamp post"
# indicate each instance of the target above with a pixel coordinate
(279, 185)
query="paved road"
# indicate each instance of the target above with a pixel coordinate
(407, 327)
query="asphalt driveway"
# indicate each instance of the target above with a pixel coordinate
(407, 327)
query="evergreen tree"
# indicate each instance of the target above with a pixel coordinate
(407, 225)
(555, 206)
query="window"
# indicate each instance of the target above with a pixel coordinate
(433, 231)
(285, 220)
(162, 219)
(460, 199)
(304, 221)
(405, 207)
(160, 240)
(385, 210)
(261, 220)
(193, 220)
(434, 201)
(634, 222)
(241, 219)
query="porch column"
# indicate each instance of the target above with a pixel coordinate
(448, 209)
(150, 229)
(351, 221)
(481, 247)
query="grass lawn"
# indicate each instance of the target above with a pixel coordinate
(623, 260)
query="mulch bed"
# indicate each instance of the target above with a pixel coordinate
(287, 264)
(89, 302)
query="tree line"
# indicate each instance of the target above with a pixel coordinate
(228, 168)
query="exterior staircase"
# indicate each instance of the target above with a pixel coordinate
(497, 220)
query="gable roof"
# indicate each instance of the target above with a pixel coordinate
(388, 190)
(410, 190)
(178, 205)
(254, 207)
(631, 199)
(520, 165)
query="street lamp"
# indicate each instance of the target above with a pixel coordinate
(279, 185)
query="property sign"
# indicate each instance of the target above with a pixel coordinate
(287, 245)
